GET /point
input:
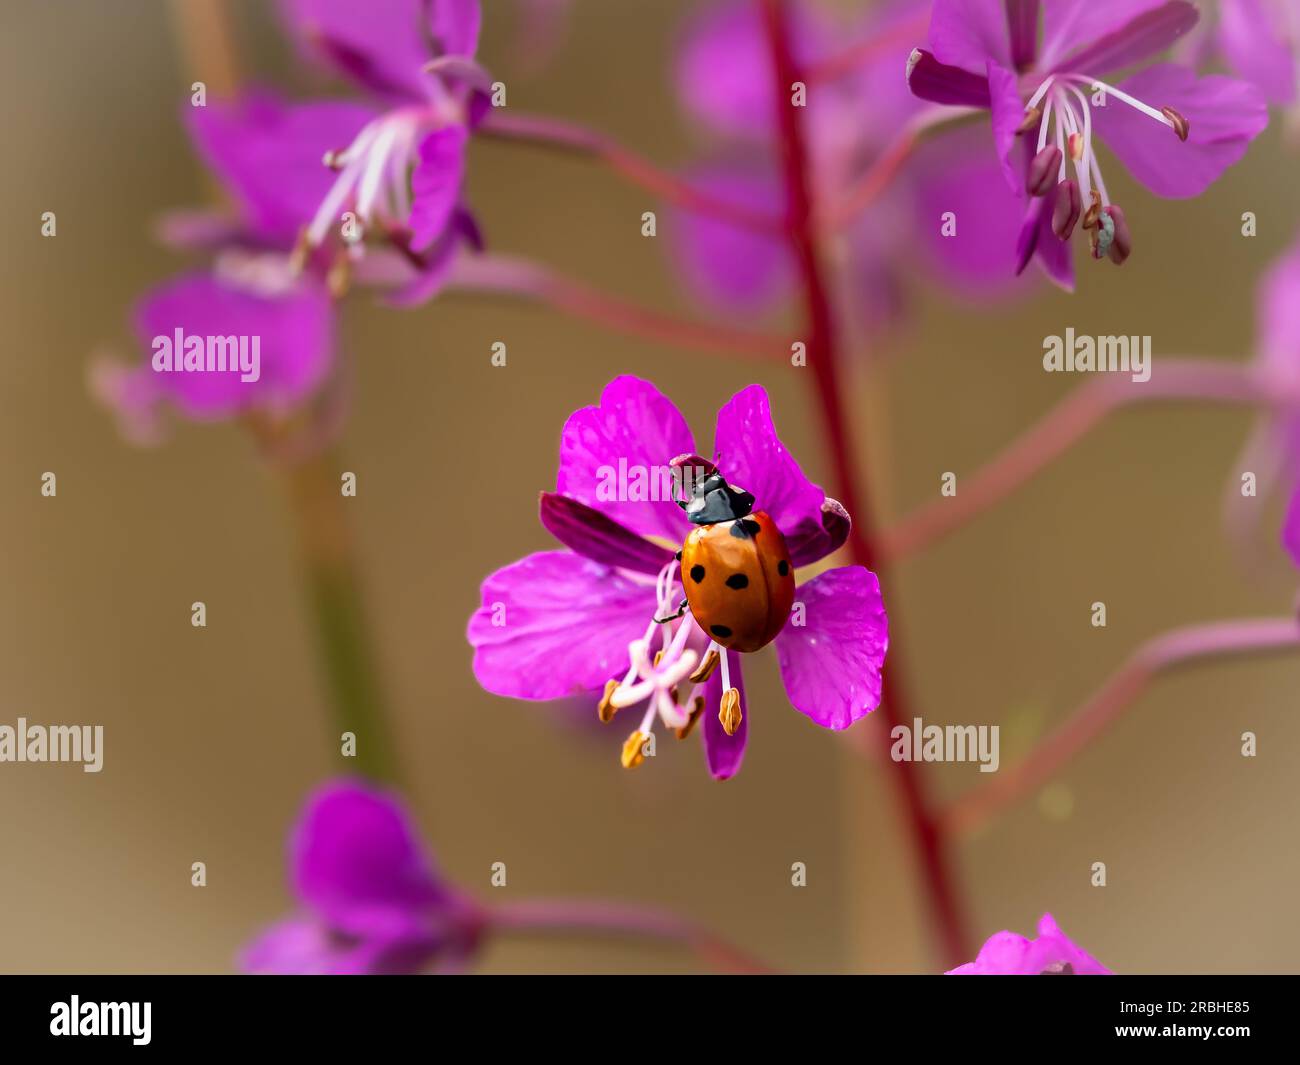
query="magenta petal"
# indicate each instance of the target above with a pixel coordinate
(970, 33)
(455, 25)
(734, 268)
(832, 663)
(269, 155)
(1291, 527)
(435, 184)
(808, 543)
(1146, 35)
(358, 862)
(379, 44)
(1022, 25)
(592, 535)
(1007, 112)
(1054, 256)
(1069, 23)
(944, 84)
(1254, 40)
(724, 753)
(1052, 953)
(615, 457)
(296, 342)
(957, 174)
(1224, 114)
(750, 454)
(724, 67)
(556, 624)
(1278, 314)
(304, 946)
(1003, 954)
(411, 287)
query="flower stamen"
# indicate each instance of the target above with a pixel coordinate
(707, 667)
(373, 178)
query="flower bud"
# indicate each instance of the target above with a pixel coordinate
(1065, 212)
(1180, 124)
(1121, 244)
(1042, 171)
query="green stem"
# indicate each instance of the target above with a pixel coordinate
(313, 487)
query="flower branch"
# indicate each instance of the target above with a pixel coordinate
(873, 181)
(1174, 380)
(855, 56)
(572, 138)
(1192, 645)
(511, 276)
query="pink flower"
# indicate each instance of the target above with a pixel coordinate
(558, 623)
(1051, 954)
(1049, 108)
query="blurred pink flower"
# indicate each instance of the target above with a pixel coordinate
(1175, 132)
(725, 82)
(370, 898)
(1051, 954)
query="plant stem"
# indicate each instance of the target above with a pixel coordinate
(570, 137)
(207, 40)
(561, 917)
(1193, 645)
(329, 568)
(927, 837)
(850, 59)
(866, 189)
(511, 276)
(1062, 427)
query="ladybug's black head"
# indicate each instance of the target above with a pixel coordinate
(713, 500)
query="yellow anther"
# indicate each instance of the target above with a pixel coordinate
(729, 712)
(696, 711)
(605, 709)
(634, 750)
(706, 668)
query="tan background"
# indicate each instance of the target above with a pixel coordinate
(213, 736)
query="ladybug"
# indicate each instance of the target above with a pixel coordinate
(736, 570)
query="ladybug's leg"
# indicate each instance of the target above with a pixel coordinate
(681, 610)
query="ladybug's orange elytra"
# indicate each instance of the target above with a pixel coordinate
(738, 580)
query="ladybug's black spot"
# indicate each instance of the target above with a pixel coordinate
(738, 581)
(720, 631)
(783, 567)
(697, 574)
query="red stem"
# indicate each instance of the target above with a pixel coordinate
(927, 835)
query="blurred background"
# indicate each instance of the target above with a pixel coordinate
(214, 736)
